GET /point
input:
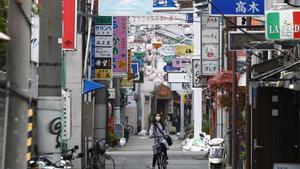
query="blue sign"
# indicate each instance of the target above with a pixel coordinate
(164, 4)
(189, 18)
(238, 7)
(135, 70)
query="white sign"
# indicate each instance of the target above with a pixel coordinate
(104, 41)
(210, 21)
(178, 77)
(170, 19)
(125, 7)
(103, 30)
(286, 166)
(210, 35)
(111, 92)
(35, 38)
(210, 51)
(66, 118)
(210, 67)
(166, 50)
(197, 75)
(138, 47)
(102, 52)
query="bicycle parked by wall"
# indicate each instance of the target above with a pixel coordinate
(44, 160)
(127, 126)
(97, 157)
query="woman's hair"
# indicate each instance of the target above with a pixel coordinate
(162, 121)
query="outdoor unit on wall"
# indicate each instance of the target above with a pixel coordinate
(200, 6)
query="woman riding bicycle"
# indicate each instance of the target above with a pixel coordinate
(159, 140)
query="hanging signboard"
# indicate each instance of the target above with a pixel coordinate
(66, 118)
(197, 75)
(178, 77)
(210, 22)
(184, 50)
(103, 68)
(125, 7)
(120, 46)
(210, 35)
(169, 19)
(102, 49)
(35, 38)
(69, 20)
(237, 7)
(283, 25)
(210, 67)
(164, 4)
(135, 70)
(210, 51)
(167, 50)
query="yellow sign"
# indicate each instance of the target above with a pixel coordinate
(184, 50)
(103, 73)
(127, 83)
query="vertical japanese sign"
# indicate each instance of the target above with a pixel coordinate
(69, 20)
(102, 49)
(210, 43)
(120, 46)
(35, 32)
(238, 7)
(197, 77)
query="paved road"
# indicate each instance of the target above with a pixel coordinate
(137, 154)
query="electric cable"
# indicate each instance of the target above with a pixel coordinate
(245, 32)
(288, 2)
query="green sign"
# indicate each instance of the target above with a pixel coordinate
(103, 20)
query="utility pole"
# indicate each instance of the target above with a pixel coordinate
(234, 114)
(117, 103)
(18, 66)
(181, 115)
(100, 113)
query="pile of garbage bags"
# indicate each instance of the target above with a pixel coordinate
(195, 144)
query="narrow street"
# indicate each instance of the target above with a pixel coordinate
(137, 154)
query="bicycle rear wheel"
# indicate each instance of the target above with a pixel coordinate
(109, 162)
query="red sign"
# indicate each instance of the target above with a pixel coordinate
(69, 17)
(297, 22)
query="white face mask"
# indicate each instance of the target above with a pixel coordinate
(157, 118)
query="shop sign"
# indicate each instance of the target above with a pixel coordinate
(283, 25)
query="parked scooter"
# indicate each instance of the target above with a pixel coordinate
(43, 160)
(216, 152)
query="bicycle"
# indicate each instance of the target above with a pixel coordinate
(161, 157)
(129, 127)
(97, 157)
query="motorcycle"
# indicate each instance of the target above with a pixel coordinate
(216, 152)
(43, 160)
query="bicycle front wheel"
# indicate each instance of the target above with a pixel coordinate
(164, 162)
